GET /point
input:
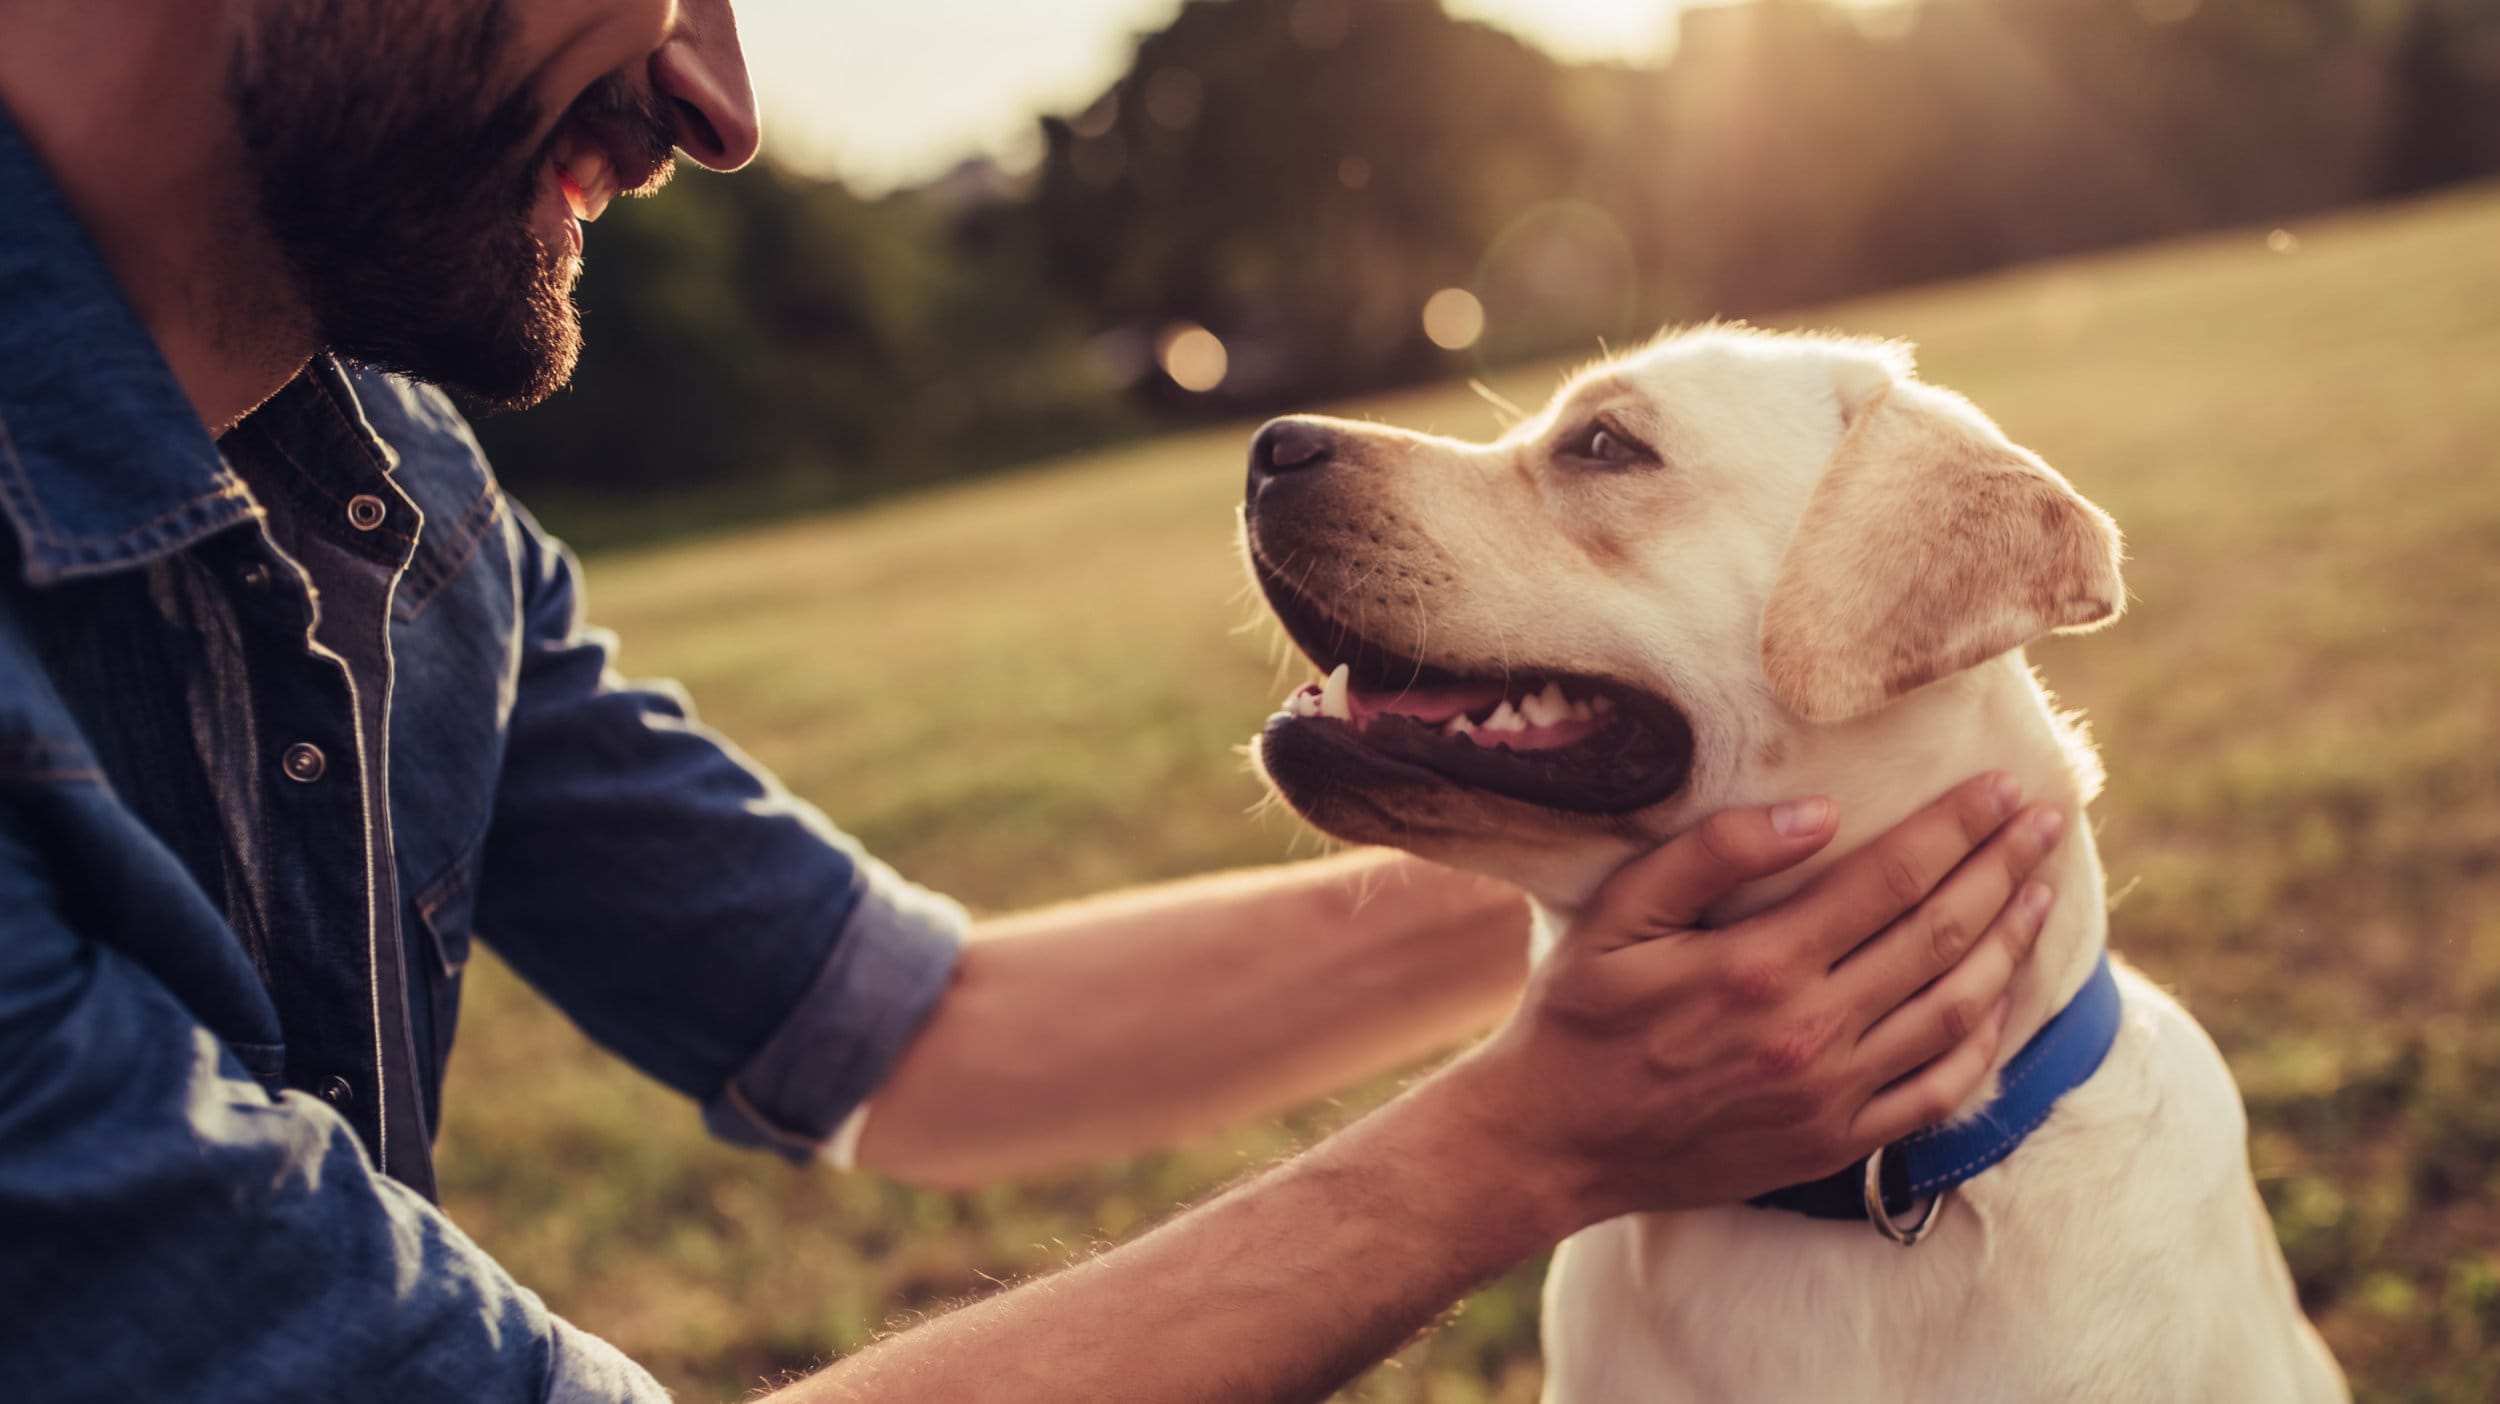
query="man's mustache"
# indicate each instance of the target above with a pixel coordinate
(634, 126)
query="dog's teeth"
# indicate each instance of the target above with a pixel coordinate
(1505, 719)
(1332, 694)
(1603, 706)
(1580, 712)
(1546, 707)
(1459, 728)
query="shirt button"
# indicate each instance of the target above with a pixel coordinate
(337, 1092)
(365, 511)
(304, 763)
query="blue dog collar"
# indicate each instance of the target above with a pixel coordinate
(2060, 1058)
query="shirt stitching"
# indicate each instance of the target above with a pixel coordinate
(22, 493)
(51, 775)
(363, 437)
(28, 501)
(279, 447)
(419, 593)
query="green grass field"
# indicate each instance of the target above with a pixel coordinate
(1036, 686)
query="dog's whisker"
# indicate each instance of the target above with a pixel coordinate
(1423, 635)
(1509, 414)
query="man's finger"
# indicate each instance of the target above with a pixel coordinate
(1868, 890)
(1667, 891)
(1951, 1009)
(1930, 1095)
(1933, 938)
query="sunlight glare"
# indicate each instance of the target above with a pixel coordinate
(1616, 30)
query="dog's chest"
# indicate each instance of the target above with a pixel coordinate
(1742, 1304)
(2122, 1254)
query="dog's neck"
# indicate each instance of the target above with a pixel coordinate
(1880, 769)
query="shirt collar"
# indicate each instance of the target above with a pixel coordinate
(103, 463)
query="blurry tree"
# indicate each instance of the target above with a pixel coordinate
(1301, 176)
(2445, 126)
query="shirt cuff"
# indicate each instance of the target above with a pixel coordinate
(841, 1150)
(888, 968)
(583, 1369)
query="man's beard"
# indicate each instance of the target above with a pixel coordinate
(401, 198)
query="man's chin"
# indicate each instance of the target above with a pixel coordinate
(543, 370)
(513, 365)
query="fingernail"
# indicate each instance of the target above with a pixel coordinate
(2007, 792)
(2048, 825)
(1799, 818)
(2035, 903)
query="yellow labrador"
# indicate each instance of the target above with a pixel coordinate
(1729, 569)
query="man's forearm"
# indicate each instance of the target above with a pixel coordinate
(1650, 1067)
(1124, 1022)
(1282, 1289)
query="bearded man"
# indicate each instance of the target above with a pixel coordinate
(294, 701)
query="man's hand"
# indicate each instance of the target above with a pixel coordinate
(1657, 1065)
(1653, 1066)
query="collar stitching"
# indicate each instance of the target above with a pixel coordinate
(358, 432)
(53, 556)
(24, 502)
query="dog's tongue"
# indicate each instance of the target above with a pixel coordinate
(1429, 705)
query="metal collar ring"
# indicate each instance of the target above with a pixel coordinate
(1907, 1235)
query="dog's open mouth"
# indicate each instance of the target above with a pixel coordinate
(1558, 739)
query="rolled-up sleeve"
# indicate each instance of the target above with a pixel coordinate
(173, 1231)
(681, 905)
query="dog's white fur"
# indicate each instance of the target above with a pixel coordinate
(1832, 573)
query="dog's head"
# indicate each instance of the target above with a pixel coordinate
(1542, 654)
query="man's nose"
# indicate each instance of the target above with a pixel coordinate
(1290, 446)
(701, 74)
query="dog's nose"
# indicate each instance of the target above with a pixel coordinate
(1288, 445)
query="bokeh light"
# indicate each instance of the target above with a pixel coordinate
(1454, 319)
(1194, 357)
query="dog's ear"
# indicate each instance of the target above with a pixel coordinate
(1932, 544)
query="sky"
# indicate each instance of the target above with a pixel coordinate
(888, 93)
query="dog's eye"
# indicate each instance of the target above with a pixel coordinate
(1601, 442)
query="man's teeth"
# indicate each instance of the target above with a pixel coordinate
(588, 178)
(1332, 694)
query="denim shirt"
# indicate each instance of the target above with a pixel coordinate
(286, 721)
